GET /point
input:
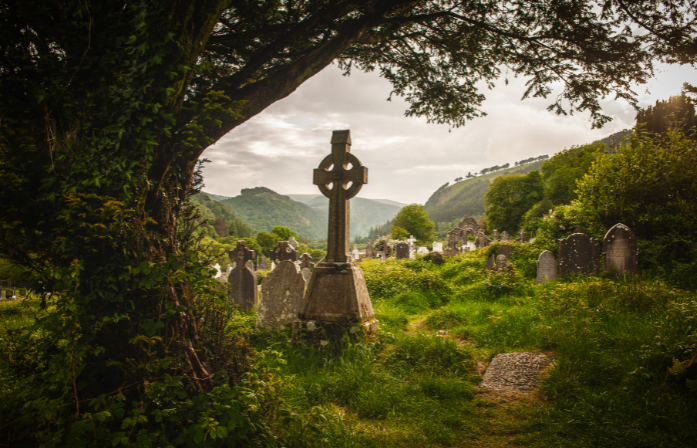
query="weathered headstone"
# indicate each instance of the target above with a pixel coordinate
(490, 264)
(495, 236)
(22, 293)
(451, 252)
(369, 249)
(422, 250)
(263, 264)
(355, 254)
(505, 236)
(482, 240)
(437, 247)
(306, 261)
(505, 249)
(620, 246)
(282, 296)
(546, 267)
(242, 279)
(337, 292)
(284, 251)
(382, 256)
(293, 243)
(412, 242)
(579, 253)
(502, 263)
(402, 251)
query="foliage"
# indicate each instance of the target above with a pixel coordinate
(532, 219)
(677, 113)
(210, 209)
(510, 197)
(565, 168)
(414, 219)
(283, 232)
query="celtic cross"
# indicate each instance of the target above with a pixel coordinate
(333, 178)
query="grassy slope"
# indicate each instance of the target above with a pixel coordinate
(466, 198)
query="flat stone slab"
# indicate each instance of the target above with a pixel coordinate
(515, 372)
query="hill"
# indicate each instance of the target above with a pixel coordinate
(466, 198)
(211, 209)
(265, 209)
(365, 213)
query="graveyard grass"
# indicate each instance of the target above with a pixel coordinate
(615, 380)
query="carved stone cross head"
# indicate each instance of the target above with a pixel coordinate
(306, 261)
(334, 169)
(284, 251)
(241, 253)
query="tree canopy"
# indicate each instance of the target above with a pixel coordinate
(510, 197)
(413, 220)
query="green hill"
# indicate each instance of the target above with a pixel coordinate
(365, 213)
(265, 209)
(211, 209)
(466, 198)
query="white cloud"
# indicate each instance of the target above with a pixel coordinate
(407, 158)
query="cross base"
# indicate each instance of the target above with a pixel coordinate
(337, 293)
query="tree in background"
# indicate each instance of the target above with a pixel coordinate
(267, 241)
(564, 169)
(510, 197)
(414, 220)
(677, 113)
(284, 233)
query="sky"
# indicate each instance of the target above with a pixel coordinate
(407, 158)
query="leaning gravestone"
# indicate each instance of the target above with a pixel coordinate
(490, 264)
(546, 267)
(242, 279)
(402, 250)
(284, 251)
(505, 249)
(579, 253)
(369, 249)
(282, 296)
(621, 250)
(337, 293)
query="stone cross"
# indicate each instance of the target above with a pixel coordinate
(306, 261)
(522, 236)
(412, 242)
(334, 170)
(369, 249)
(284, 251)
(505, 236)
(243, 281)
(293, 243)
(620, 246)
(546, 267)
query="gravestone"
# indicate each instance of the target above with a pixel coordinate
(242, 279)
(495, 236)
(422, 250)
(282, 296)
(579, 253)
(490, 264)
(402, 251)
(505, 236)
(369, 249)
(382, 256)
(293, 243)
(621, 250)
(450, 252)
(437, 247)
(22, 293)
(505, 249)
(546, 267)
(482, 240)
(355, 254)
(515, 372)
(337, 292)
(521, 236)
(502, 263)
(412, 242)
(284, 251)
(263, 264)
(306, 261)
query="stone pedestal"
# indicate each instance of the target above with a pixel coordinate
(337, 294)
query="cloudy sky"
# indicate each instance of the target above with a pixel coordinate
(407, 158)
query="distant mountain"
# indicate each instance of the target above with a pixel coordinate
(211, 208)
(265, 209)
(466, 198)
(365, 213)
